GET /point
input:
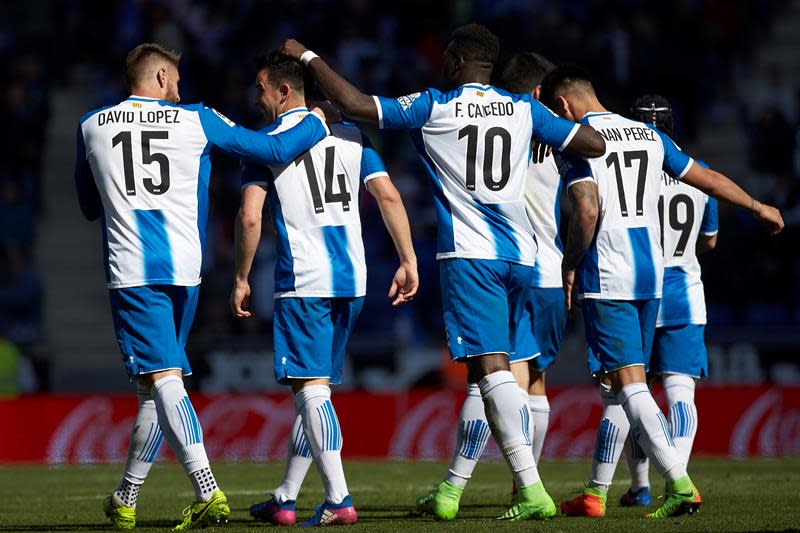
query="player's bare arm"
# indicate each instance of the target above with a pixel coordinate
(247, 235)
(343, 94)
(586, 143)
(706, 243)
(406, 280)
(582, 222)
(723, 188)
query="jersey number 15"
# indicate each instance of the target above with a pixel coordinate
(124, 138)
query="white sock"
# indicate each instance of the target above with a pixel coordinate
(638, 464)
(473, 434)
(540, 412)
(146, 438)
(679, 390)
(180, 425)
(324, 436)
(509, 419)
(610, 439)
(651, 430)
(297, 464)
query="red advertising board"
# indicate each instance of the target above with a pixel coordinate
(737, 421)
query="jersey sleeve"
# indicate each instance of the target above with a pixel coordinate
(676, 162)
(255, 174)
(578, 170)
(551, 129)
(407, 112)
(88, 196)
(710, 223)
(371, 163)
(256, 147)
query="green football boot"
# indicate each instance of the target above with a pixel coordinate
(441, 502)
(202, 514)
(532, 503)
(682, 498)
(121, 517)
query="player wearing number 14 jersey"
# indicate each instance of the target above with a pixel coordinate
(474, 141)
(614, 245)
(320, 277)
(143, 166)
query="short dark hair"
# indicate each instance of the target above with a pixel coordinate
(653, 109)
(137, 60)
(524, 71)
(562, 79)
(281, 69)
(474, 42)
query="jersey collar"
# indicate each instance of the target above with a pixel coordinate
(590, 114)
(143, 98)
(302, 109)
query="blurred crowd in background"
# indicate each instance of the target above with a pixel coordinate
(692, 51)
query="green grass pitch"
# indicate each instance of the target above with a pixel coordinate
(748, 495)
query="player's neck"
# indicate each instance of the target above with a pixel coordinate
(145, 92)
(292, 103)
(590, 106)
(479, 73)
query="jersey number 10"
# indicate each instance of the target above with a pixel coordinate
(471, 133)
(124, 138)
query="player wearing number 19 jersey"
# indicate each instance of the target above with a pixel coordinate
(474, 141)
(688, 227)
(143, 166)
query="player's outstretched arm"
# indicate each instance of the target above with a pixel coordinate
(259, 148)
(406, 280)
(723, 188)
(562, 134)
(582, 222)
(586, 142)
(88, 196)
(344, 95)
(247, 235)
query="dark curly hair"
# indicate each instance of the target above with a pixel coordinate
(474, 42)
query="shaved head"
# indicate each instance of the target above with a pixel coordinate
(144, 62)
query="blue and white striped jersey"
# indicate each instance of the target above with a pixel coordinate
(543, 186)
(144, 166)
(314, 207)
(475, 142)
(686, 213)
(625, 261)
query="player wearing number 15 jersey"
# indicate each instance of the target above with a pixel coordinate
(614, 244)
(143, 166)
(320, 277)
(474, 140)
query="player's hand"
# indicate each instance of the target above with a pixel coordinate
(540, 151)
(293, 49)
(769, 216)
(332, 115)
(404, 284)
(568, 279)
(240, 299)
(320, 113)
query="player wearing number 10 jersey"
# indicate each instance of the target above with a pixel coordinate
(474, 141)
(143, 165)
(614, 244)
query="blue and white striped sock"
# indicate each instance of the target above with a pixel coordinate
(146, 439)
(610, 439)
(181, 428)
(296, 466)
(679, 391)
(638, 464)
(324, 435)
(473, 434)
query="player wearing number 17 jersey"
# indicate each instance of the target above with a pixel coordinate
(143, 166)
(614, 244)
(474, 141)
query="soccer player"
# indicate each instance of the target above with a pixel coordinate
(613, 251)
(143, 166)
(688, 227)
(320, 278)
(475, 141)
(539, 338)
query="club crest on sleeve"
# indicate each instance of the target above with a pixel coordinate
(406, 101)
(227, 121)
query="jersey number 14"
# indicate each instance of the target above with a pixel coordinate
(343, 196)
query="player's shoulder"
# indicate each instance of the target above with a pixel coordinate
(346, 130)
(89, 114)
